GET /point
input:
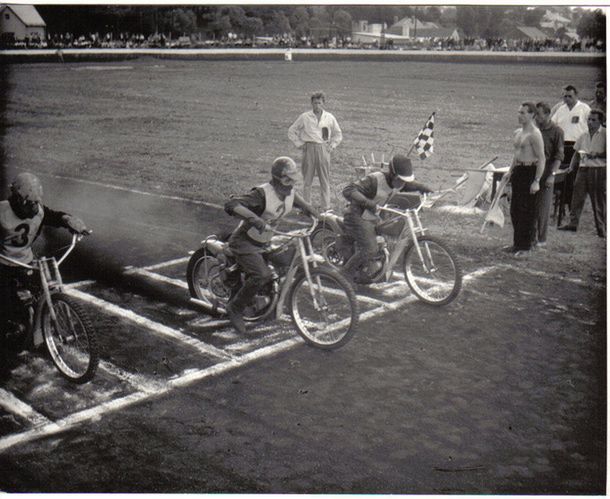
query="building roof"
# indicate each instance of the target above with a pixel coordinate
(27, 13)
(531, 32)
(408, 22)
(436, 32)
(551, 16)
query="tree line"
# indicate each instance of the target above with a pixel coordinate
(300, 21)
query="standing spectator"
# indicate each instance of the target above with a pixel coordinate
(552, 137)
(317, 133)
(599, 102)
(525, 173)
(591, 177)
(571, 117)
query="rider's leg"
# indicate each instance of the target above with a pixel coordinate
(365, 242)
(258, 275)
(10, 304)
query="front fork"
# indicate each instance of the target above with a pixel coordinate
(305, 261)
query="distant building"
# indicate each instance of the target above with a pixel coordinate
(446, 33)
(525, 33)
(410, 27)
(21, 21)
(554, 21)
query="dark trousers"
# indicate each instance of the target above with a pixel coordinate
(10, 304)
(566, 188)
(365, 241)
(544, 200)
(523, 206)
(591, 181)
(258, 274)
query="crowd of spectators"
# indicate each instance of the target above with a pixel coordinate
(160, 40)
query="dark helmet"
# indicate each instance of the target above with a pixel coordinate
(27, 187)
(401, 167)
(284, 168)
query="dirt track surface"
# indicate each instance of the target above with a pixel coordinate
(503, 391)
(499, 392)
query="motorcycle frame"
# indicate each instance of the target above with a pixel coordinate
(50, 283)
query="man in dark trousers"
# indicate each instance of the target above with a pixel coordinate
(552, 136)
(525, 173)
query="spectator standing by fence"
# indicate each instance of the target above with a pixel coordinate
(571, 117)
(525, 174)
(591, 177)
(318, 134)
(552, 136)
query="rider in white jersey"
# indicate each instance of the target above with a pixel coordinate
(22, 217)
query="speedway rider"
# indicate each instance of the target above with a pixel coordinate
(259, 210)
(21, 219)
(366, 195)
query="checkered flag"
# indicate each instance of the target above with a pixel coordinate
(424, 142)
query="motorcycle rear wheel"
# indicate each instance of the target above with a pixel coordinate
(206, 285)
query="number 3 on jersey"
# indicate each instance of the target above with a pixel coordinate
(21, 239)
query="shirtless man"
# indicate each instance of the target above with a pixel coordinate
(525, 172)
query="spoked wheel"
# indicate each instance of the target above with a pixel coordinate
(203, 274)
(321, 237)
(435, 277)
(205, 282)
(70, 339)
(335, 254)
(325, 310)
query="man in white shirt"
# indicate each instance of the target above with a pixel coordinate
(571, 117)
(591, 177)
(317, 133)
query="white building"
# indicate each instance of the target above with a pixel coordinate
(21, 21)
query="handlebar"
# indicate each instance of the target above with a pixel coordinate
(70, 247)
(403, 213)
(297, 233)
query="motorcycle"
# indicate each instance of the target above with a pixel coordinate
(321, 302)
(52, 318)
(429, 266)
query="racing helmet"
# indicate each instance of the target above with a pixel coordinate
(27, 188)
(284, 170)
(401, 167)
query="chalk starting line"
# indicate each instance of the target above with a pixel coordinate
(146, 388)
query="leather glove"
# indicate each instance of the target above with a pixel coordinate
(258, 223)
(371, 205)
(76, 225)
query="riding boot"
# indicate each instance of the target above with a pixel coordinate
(237, 304)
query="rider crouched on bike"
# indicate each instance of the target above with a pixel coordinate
(366, 195)
(22, 217)
(259, 210)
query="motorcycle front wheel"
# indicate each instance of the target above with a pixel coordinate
(435, 277)
(324, 309)
(70, 339)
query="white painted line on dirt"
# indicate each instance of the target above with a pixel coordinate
(96, 412)
(157, 277)
(169, 263)
(133, 191)
(138, 381)
(20, 408)
(188, 377)
(207, 322)
(155, 327)
(192, 376)
(539, 273)
(72, 420)
(79, 284)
